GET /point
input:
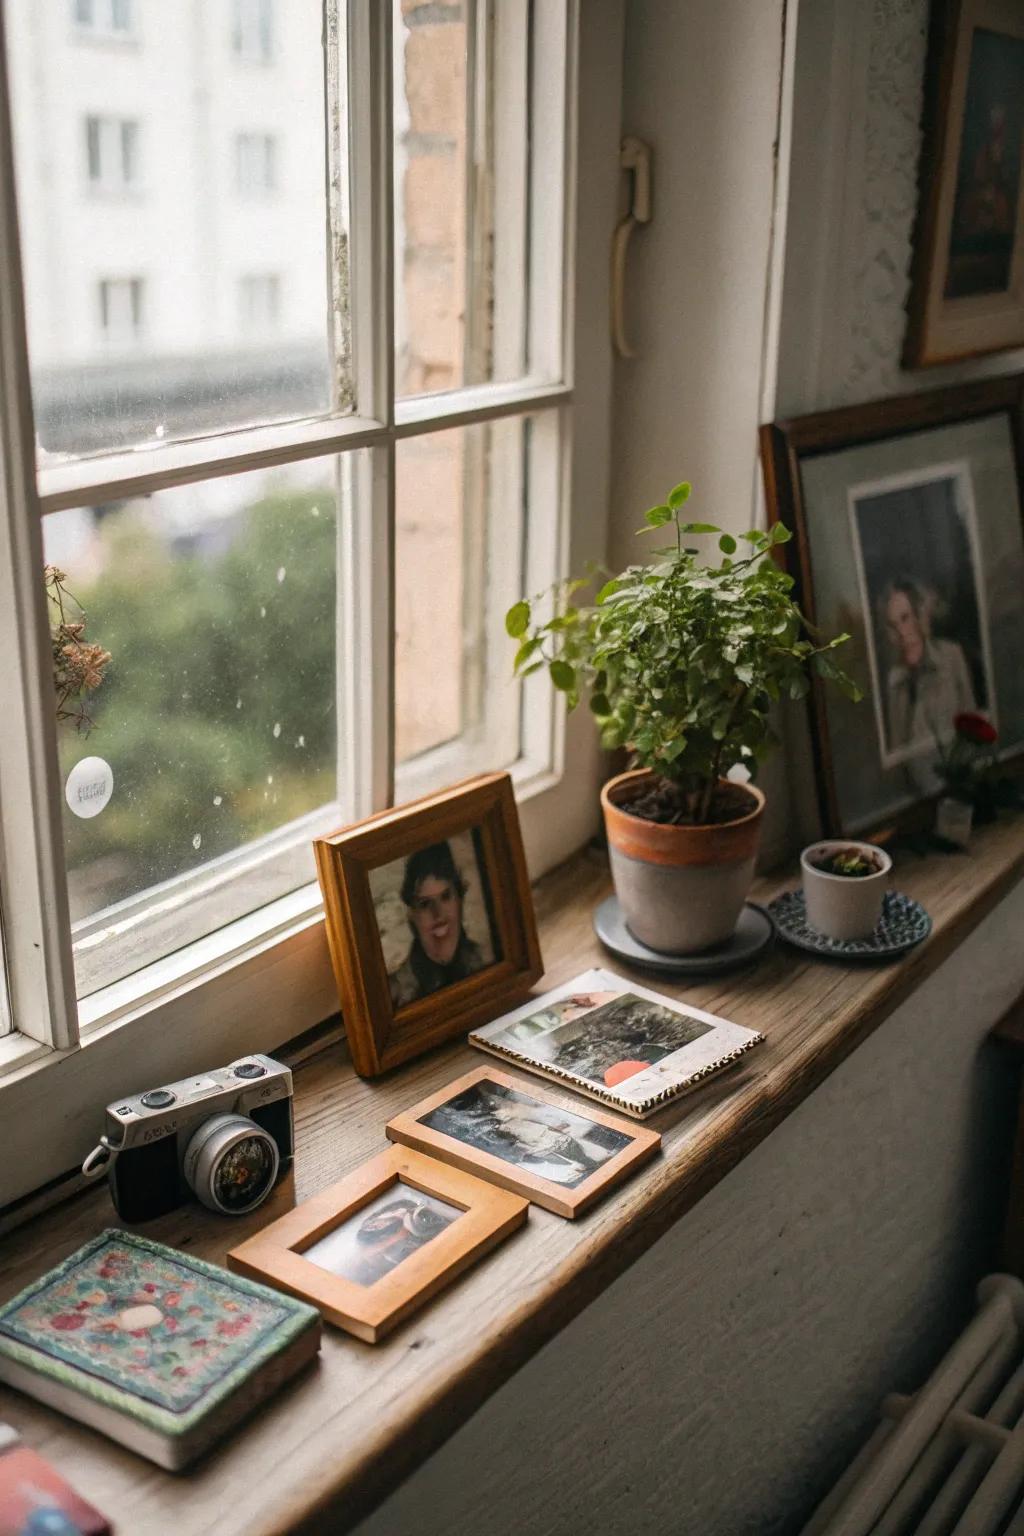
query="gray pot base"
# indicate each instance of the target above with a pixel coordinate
(752, 937)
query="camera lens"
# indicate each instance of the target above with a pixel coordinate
(231, 1164)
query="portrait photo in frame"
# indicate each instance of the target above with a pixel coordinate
(967, 280)
(516, 1135)
(908, 536)
(371, 1249)
(430, 919)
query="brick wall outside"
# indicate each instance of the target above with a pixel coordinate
(430, 218)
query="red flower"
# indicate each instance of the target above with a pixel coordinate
(149, 1286)
(976, 728)
(67, 1321)
(232, 1330)
(199, 1343)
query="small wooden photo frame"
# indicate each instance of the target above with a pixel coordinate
(514, 1134)
(371, 1249)
(429, 920)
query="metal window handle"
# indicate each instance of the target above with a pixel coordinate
(635, 160)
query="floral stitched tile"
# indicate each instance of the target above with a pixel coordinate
(163, 1327)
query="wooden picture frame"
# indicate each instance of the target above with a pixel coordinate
(278, 1254)
(967, 277)
(479, 817)
(569, 1200)
(976, 429)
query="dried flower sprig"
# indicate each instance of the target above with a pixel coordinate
(78, 664)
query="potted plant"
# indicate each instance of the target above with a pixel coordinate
(844, 886)
(681, 662)
(967, 767)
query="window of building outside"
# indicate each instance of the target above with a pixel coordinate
(103, 16)
(255, 164)
(259, 302)
(298, 551)
(112, 153)
(252, 30)
(121, 315)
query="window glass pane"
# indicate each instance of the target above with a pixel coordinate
(460, 547)
(216, 714)
(172, 165)
(461, 166)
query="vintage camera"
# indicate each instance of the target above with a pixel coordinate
(225, 1135)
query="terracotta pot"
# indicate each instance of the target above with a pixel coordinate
(844, 906)
(681, 889)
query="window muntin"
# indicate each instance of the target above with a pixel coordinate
(184, 188)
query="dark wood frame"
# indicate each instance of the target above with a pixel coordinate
(378, 1037)
(275, 1254)
(406, 1128)
(945, 88)
(785, 444)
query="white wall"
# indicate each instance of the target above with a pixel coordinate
(701, 84)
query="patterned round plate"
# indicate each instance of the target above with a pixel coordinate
(904, 923)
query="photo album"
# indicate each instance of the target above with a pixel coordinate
(616, 1041)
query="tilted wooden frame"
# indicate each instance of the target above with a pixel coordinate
(786, 444)
(942, 329)
(380, 1038)
(407, 1129)
(275, 1255)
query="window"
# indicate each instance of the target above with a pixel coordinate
(110, 17)
(112, 153)
(259, 302)
(120, 311)
(297, 551)
(255, 164)
(252, 30)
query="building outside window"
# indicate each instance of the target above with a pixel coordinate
(252, 30)
(255, 164)
(299, 550)
(112, 153)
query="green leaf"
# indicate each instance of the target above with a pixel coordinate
(657, 517)
(517, 619)
(673, 749)
(526, 650)
(727, 544)
(780, 534)
(700, 528)
(609, 589)
(679, 493)
(600, 705)
(562, 675)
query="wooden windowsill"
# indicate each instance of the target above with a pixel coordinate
(332, 1445)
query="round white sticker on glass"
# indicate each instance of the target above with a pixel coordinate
(90, 785)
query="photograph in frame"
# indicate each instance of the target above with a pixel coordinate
(435, 917)
(523, 1138)
(373, 1248)
(382, 1235)
(430, 920)
(617, 1042)
(966, 295)
(908, 537)
(915, 541)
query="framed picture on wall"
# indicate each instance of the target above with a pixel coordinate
(908, 536)
(430, 919)
(967, 283)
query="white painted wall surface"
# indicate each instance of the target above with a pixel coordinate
(721, 1383)
(701, 85)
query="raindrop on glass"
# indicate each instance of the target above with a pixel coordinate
(197, 841)
(280, 574)
(277, 728)
(218, 799)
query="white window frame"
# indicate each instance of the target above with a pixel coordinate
(266, 979)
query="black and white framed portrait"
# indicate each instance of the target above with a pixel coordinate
(908, 537)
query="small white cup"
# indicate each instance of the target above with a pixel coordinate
(844, 906)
